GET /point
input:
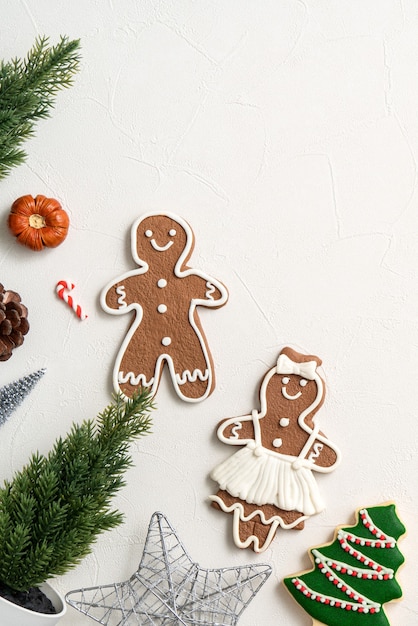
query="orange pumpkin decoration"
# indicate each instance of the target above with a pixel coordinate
(38, 222)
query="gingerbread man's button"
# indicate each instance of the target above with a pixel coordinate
(162, 308)
(162, 283)
(166, 341)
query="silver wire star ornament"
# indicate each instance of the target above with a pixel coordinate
(12, 395)
(169, 589)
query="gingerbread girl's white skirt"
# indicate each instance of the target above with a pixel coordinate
(261, 476)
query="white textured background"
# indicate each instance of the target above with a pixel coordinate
(286, 133)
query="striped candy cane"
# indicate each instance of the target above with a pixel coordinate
(63, 288)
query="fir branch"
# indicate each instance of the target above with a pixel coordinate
(55, 507)
(27, 93)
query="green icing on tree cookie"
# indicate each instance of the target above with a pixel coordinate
(354, 576)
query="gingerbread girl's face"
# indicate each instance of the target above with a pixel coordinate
(290, 394)
(287, 398)
(161, 237)
(292, 389)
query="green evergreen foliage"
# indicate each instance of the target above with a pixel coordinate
(27, 93)
(55, 507)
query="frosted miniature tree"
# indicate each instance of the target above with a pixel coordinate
(355, 574)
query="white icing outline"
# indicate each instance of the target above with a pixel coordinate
(231, 421)
(239, 515)
(134, 306)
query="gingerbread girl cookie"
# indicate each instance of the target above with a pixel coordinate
(269, 482)
(163, 294)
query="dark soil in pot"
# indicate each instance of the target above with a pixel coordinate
(33, 600)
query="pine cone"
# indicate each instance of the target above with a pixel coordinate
(13, 322)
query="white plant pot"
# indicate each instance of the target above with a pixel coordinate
(15, 615)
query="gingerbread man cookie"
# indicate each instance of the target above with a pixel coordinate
(269, 482)
(163, 294)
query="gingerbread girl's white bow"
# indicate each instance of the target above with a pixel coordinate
(287, 366)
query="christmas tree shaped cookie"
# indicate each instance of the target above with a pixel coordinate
(355, 574)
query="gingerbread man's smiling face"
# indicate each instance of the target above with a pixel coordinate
(161, 237)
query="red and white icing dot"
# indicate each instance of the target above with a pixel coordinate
(357, 603)
(162, 308)
(162, 283)
(369, 569)
(166, 341)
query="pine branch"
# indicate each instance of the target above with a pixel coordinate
(55, 507)
(27, 93)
